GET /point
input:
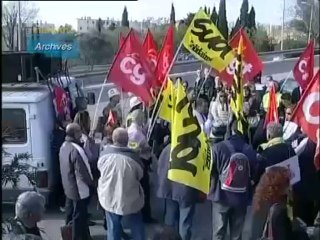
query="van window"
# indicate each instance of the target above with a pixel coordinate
(14, 126)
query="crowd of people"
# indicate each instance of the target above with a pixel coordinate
(118, 169)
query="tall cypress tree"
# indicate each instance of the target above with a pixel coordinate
(235, 28)
(172, 15)
(205, 9)
(209, 11)
(125, 21)
(222, 23)
(252, 19)
(244, 13)
(214, 15)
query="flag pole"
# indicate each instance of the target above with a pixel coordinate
(122, 106)
(285, 81)
(155, 112)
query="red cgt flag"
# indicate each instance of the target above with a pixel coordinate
(131, 70)
(165, 57)
(272, 114)
(307, 113)
(303, 70)
(252, 63)
(151, 49)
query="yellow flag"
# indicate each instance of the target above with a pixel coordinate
(165, 111)
(204, 41)
(237, 100)
(190, 159)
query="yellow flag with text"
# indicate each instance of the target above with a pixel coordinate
(165, 111)
(190, 158)
(204, 40)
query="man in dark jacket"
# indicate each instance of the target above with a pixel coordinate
(180, 199)
(230, 207)
(76, 180)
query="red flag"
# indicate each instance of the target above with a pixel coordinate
(121, 40)
(112, 119)
(166, 55)
(307, 112)
(317, 155)
(131, 70)
(150, 48)
(303, 70)
(272, 114)
(252, 63)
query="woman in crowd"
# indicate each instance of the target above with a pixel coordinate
(269, 203)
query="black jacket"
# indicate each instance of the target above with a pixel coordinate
(280, 223)
(295, 95)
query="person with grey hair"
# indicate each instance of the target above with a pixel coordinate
(29, 209)
(77, 179)
(119, 190)
(275, 151)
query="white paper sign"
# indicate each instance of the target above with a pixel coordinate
(293, 165)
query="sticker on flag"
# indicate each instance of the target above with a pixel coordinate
(293, 165)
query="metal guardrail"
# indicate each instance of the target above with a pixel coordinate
(107, 67)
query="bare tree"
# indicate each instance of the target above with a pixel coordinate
(10, 19)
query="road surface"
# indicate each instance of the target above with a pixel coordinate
(270, 68)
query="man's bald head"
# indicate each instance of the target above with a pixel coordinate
(73, 130)
(120, 137)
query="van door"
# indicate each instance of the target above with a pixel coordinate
(16, 137)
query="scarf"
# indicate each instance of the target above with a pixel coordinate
(272, 142)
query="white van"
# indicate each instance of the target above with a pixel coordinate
(28, 119)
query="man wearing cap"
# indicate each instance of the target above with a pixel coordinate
(134, 103)
(113, 105)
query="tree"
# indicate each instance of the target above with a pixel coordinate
(172, 15)
(112, 26)
(214, 15)
(244, 13)
(209, 11)
(302, 14)
(125, 21)
(67, 28)
(261, 40)
(99, 25)
(10, 19)
(189, 18)
(236, 28)
(252, 19)
(205, 9)
(222, 23)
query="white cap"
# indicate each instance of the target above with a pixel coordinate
(134, 101)
(113, 92)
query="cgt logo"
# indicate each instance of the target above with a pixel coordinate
(129, 65)
(311, 99)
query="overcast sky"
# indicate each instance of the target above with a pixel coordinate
(61, 12)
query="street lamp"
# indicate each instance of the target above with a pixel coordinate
(282, 29)
(311, 15)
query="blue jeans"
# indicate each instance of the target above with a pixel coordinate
(179, 217)
(115, 228)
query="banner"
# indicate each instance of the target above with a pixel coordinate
(165, 111)
(190, 159)
(204, 41)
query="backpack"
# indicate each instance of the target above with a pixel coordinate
(235, 174)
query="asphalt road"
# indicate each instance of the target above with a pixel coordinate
(270, 68)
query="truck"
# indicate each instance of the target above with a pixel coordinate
(28, 121)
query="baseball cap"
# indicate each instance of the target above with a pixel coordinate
(134, 101)
(113, 92)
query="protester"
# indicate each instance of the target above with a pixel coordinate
(201, 109)
(159, 136)
(218, 117)
(306, 192)
(113, 105)
(138, 141)
(266, 96)
(205, 85)
(29, 209)
(231, 198)
(119, 189)
(57, 139)
(77, 180)
(270, 153)
(270, 198)
(296, 95)
(180, 200)
(134, 103)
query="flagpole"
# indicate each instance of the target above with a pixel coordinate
(154, 113)
(122, 106)
(285, 81)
